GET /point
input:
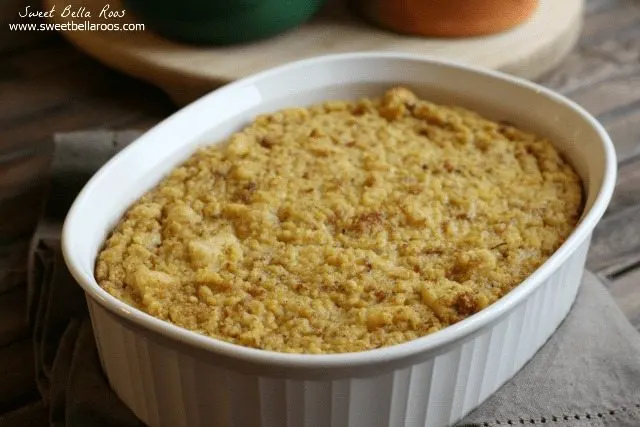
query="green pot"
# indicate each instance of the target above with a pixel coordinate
(222, 22)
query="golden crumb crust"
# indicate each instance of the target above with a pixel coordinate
(344, 226)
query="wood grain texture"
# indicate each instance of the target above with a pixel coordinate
(616, 243)
(608, 48)
(9, 14)
(601, 14)
(48, 88)
(55, 88)
(627, 192)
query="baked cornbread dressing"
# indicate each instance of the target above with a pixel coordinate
(344, 227)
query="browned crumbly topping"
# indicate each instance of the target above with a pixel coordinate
(344, 226)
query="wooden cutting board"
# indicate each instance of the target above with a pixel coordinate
(187, 72)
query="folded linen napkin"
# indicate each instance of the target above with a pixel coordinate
(588, 373)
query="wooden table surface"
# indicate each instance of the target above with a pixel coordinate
(47, 87)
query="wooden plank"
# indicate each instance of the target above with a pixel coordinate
(598, 25)
(615, 102)
(627, 192)
(598, 6)
(97, 112)
(33, 80)
(62, 90)
(603, 74)
(625, 133)
(35, 414)
(9, 14)
(48, 58)
(20, 172)
(592, 63)
(625, 288)
(611, 94)
(616, 241)
(581, 69)
(615, 245)
(66, 83)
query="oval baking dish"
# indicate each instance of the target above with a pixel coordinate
(173, 377)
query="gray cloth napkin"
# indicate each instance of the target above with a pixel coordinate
(588, 374)
(68, 371)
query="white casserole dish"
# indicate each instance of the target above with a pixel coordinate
(173, 377)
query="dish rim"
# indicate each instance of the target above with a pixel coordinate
(424, 344)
